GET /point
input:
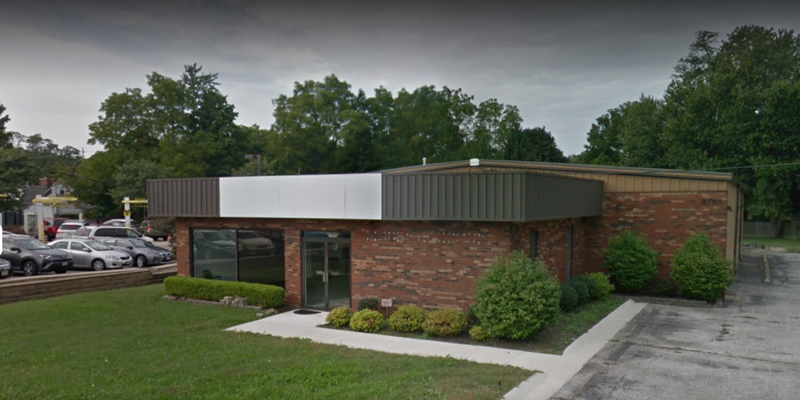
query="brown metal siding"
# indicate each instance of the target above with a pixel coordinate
(488, 197)
(197, 197)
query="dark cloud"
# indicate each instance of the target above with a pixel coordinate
(562, 64)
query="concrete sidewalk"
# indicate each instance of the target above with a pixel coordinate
(556, 370)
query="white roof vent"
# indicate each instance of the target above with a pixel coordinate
(474, 162)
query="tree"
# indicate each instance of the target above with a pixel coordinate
(735, 104)
(130, 179)
(629, 135)
(535, 144)
(14, 172)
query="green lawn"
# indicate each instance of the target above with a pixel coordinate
(790, 245)
(131, 344)
(553, 339)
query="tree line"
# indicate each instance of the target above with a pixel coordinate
(732, 105)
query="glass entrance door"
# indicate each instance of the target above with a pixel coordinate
(326, 270)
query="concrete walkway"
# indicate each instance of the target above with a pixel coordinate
(556, 370)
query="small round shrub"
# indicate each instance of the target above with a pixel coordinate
(448, 322)
(591, 286)
(479, 333)
(407, 318)
(569, 298)
(340, 316)
(369, 303)
(700, 270)
(604, 286)
(582, 291)
(366, 321)
(631, 261)
(472, 318)
(517, 297)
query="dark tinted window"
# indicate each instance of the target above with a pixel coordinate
(69, 227)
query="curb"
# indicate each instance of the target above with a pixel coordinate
(670, 301)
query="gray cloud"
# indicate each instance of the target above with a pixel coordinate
(563, 65)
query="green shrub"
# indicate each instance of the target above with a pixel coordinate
(517, 297)
(582, 291)
(591, 286)
(267, 296)
(700, 270)
(569, 298)
(407, 318)
(479, 333)
(448, 322)
(472, 318)
(369, 303)
(340, 316)
(366, 321)
(631, 261)
(604, 286)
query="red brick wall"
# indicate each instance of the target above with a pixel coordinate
(432, 264)
(553, 246)
(666, 220)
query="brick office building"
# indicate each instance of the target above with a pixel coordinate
(423, 234)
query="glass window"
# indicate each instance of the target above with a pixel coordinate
(132, 233)
(78, 246)
(261, 257)
(94, 245)
(214, 254)
(60, 245)
(343, 235)
(246, 255)
(534, 244)
(30, 244)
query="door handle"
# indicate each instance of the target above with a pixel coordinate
(324, 275)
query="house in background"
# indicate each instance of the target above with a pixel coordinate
(423, 234)
(49, 189)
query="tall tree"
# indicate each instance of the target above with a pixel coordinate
(13, 172)
(536, 144)
(734, 104)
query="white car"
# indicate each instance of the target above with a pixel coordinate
(102, 233)
(93, 254)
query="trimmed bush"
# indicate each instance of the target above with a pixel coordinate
(604, 286)
(631, 261)
(366, 321)
(582, 291)
(569, 298)
(591, 286)
(369, 303)
(448, 322)
(479, 333)
(472, 318)
(267, 296)
(340, 316)
(700, 270)
(407, 318)
(517, 297)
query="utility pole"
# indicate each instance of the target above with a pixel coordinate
(256, 157)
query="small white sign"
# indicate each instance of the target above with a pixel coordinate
(386, 302)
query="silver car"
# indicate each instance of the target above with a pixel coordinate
(67, 229)
(5, 268)
(93, 254)
(143, 252)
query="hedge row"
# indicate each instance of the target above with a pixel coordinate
(267, 296)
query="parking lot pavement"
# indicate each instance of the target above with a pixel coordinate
(748, 350)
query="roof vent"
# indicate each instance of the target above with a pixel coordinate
(474, 162)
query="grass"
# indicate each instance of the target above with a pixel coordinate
(131, 344)
(553, 339)
(791, 245)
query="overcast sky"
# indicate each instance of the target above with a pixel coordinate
(562, 65)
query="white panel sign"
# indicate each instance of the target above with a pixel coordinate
(346, 196)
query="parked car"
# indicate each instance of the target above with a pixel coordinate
(51, 228)
(108, 232)
(67, 229)
(93, 254)
(152, 230)
(143, 252)
(32, 257)
(119, 222)
(5, 268)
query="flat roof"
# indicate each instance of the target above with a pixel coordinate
(601, 169)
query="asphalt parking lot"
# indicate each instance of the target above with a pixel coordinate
(16, 277)
(748, 350)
